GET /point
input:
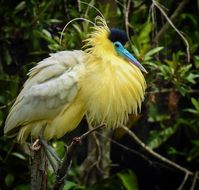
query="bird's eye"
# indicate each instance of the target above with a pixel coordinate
(117, 45)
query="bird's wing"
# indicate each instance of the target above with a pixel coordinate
(51, 86)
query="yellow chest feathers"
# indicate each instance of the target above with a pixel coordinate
(111, 88)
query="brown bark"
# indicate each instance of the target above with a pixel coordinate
(39, 168)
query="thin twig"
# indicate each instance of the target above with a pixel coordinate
(79, 6)
(119, 3)
(8, 152)
(90, 131)
(152, 12)
(8, 104)
(152, 163)
(126, 148)
(156, 4)
(99, 157)
(67, 161)
(126, 15)
(155, 154)
(184, 181)
(194, 181)
(174, 16)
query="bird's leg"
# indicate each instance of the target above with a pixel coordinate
(48, 147)
(50, 153)
(36, 146)
(50, 150)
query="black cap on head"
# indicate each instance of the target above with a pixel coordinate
(118, 35)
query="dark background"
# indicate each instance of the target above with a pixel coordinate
(30, 30)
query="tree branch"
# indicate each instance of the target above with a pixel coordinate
(126, 148)
(126, 16)
(184, 181)
(170, 22)
(194, 181)
(67, 161)
(176, 13)
(155, 154)
(39, 168)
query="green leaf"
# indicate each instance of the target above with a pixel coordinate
(196, 61)
(173, 151)
(54, 21)
(18, 155)
(47, 33)
(152, 52)
(144, 36)
(9, 179)
(69, 185)
(184, 69)
(78, 28)
(191, 78)
(20, 6)
(8, 57)
(129, 180)
(23, 187)
(151, 64)
(192, 111)
(191, 17)
(196, 142)
(160, 137)
(135, 50)
(195, 103)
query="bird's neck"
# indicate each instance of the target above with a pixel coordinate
(98, 45)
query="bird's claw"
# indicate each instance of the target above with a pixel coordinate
(35, 146)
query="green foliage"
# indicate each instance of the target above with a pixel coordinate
(179, 74)
(193, 121)
(157, 138)
(23, 187)
(70, 185)
(59, 147)
(195, 110)
(128, 179)
(142, 39)
(9, 179)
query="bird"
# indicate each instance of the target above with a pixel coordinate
(104, 81)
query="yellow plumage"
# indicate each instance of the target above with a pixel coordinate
(63, 88)
(112, 86)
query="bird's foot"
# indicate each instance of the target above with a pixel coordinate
(36, 145)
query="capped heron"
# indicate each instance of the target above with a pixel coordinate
(104, 81)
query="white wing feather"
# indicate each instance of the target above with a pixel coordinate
(51, 86)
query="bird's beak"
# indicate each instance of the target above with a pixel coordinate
(125, 53)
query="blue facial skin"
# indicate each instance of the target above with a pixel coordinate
(126, 54)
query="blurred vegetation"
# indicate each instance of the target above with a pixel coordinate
(169, 123)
